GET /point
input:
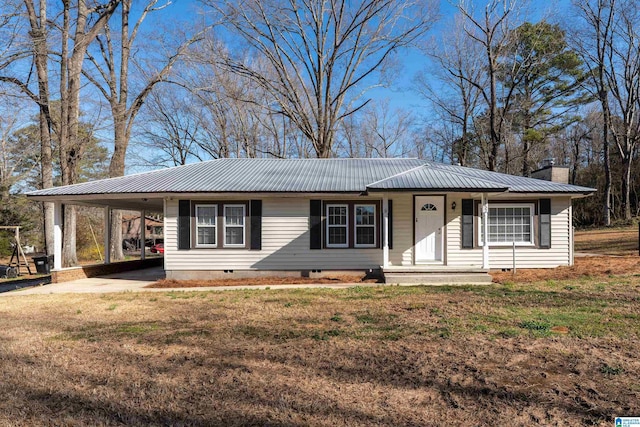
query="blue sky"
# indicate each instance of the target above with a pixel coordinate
(182, 14)
(413, 60)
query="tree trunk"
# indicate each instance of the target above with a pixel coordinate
(526, 146)
(526, 168)
(606, 160)
(71, 149)
(69, 256)
(323, 148)
(494, 137)
(46, 164)
(626, 186)
(116, 168)
(46, 155)
(38, 33)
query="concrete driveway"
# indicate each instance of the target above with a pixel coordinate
(135, 281)
(118, 282)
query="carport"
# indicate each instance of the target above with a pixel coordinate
(74, 195)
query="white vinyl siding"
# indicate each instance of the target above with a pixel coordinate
(285, 244)
(402, 251)
(526, 256)
(285, 241)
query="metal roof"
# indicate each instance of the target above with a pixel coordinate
(516, 184)
(248, 175)
(425, 177)
(309, 176)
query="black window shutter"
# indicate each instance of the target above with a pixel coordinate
(315, 224)
(184, 224)
(545, 223)
(467, 223)
(390, 215)
(256, 224)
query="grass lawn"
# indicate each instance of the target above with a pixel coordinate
(552, 353)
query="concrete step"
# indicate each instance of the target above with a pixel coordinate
(438, 278)
(433, 270)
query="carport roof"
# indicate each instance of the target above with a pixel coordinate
(306, 176)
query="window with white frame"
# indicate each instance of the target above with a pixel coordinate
(365, 225)
(337, 226)
(206, 227)
(509, 223)
(234, 229)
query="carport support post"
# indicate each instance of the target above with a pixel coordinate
(107, 235)
(57, 235)
(143, 237)
(385, 220)
(485, 230)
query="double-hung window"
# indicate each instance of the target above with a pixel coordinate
(234, 229)
(206, 225)
(337, 226)
(365, 226)
(509, 223)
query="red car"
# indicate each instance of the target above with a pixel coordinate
(158, 248)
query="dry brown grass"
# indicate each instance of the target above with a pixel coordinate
(262, 281)
(608, 241)
(560, 353)
(593, 266)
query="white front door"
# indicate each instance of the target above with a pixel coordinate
(429, 223)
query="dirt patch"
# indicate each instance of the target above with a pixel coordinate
(598, 266)
(262, 281)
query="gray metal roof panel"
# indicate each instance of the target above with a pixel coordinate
(311, 176)
(516, 184)
(429, 178)
(248, 175)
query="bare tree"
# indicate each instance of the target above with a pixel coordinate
(593, 44)
(389, 128)
(75, 34)
(490, 30)
(238, 117)
(171, 127)
(36, 50)
(623, 79)
(112, 79)
(351, 138)
(78, 32)
(322, 55)
(453, 88)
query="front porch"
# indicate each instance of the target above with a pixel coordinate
(430, 233)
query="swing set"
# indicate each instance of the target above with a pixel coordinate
(18, 258)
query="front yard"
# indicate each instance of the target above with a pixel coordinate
(555, 352)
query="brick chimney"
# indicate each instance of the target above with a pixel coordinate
(550, 172)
